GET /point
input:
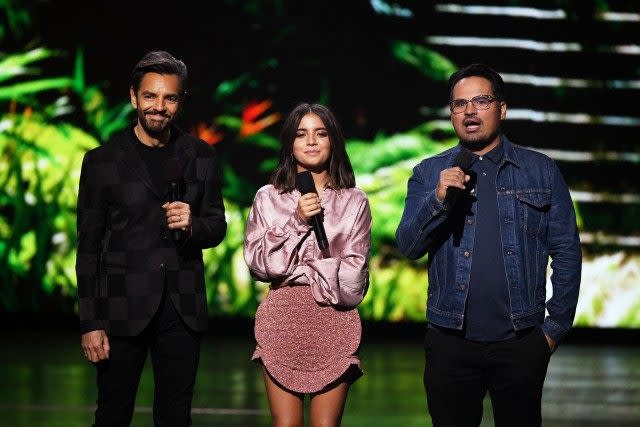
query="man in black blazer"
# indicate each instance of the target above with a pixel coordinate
(139, 262)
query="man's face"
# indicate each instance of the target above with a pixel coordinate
(477, 128)
(156, 101)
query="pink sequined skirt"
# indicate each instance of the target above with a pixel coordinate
(303, 345)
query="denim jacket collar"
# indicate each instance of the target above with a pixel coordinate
(509, 154)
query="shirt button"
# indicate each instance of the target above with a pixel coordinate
(469, 221)
(467, 254)
(509, 252)
(162, 265)
(503, 188)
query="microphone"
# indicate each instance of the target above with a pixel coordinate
(173, 178)
(305, 184)
(463, 160)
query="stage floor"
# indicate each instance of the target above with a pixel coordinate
(44, 381)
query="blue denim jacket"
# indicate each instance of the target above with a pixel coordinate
(537, 221)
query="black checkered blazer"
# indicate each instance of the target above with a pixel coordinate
(125, 251)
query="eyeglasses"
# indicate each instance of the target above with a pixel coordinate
(480, 102)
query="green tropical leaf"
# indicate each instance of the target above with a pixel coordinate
(18, 91)
(429, 62)
(15, 64)
(262, 140)
(232, 122)
(18, 18)
(78, 72)
(228, 87)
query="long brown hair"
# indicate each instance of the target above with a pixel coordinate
(340, 170)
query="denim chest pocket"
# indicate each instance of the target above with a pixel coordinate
(534, 205)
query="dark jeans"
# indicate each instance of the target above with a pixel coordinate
(458, 373)
(175, 352)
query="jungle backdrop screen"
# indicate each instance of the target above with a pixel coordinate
(572, 70)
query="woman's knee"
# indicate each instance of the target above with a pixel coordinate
(287, 420)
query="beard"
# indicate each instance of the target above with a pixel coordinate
(151, 127)
(481, 143)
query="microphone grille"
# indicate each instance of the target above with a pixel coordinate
(464, 159)
(304, 182)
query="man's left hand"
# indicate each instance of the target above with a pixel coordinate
(550, 341)
(178, 215)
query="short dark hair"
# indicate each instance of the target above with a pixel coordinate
(160, 62)
(479, 70)
(340, 171)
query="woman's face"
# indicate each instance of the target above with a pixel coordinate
(311, 146)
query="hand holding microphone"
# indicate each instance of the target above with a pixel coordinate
(178, 218)
(309, 207)
(451, 185)
(178, 213)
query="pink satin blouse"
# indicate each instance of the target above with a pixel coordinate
(280, 246)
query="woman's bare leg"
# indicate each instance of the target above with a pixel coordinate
(287, 408)
(327, 406)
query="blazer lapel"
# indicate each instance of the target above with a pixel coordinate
(185, 153)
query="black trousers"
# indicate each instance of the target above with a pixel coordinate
(458, 373)
(175, 352)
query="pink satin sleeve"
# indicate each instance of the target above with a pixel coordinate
(343, 278)
(272, 235)
(280, 246)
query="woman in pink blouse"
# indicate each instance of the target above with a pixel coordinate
(308, 329)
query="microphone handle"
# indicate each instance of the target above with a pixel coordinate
(175, 197)
(451, 197)
(321, 235)
(463, 160)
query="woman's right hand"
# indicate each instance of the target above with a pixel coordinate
(309, 205)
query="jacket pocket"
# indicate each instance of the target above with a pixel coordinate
(534, 205)
(545, 343)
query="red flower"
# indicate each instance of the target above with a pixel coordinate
(250, 122)
(208, 134)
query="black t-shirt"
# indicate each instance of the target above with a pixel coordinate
(155, 159)
(488, 316)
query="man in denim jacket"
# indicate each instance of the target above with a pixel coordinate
(489, 214)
